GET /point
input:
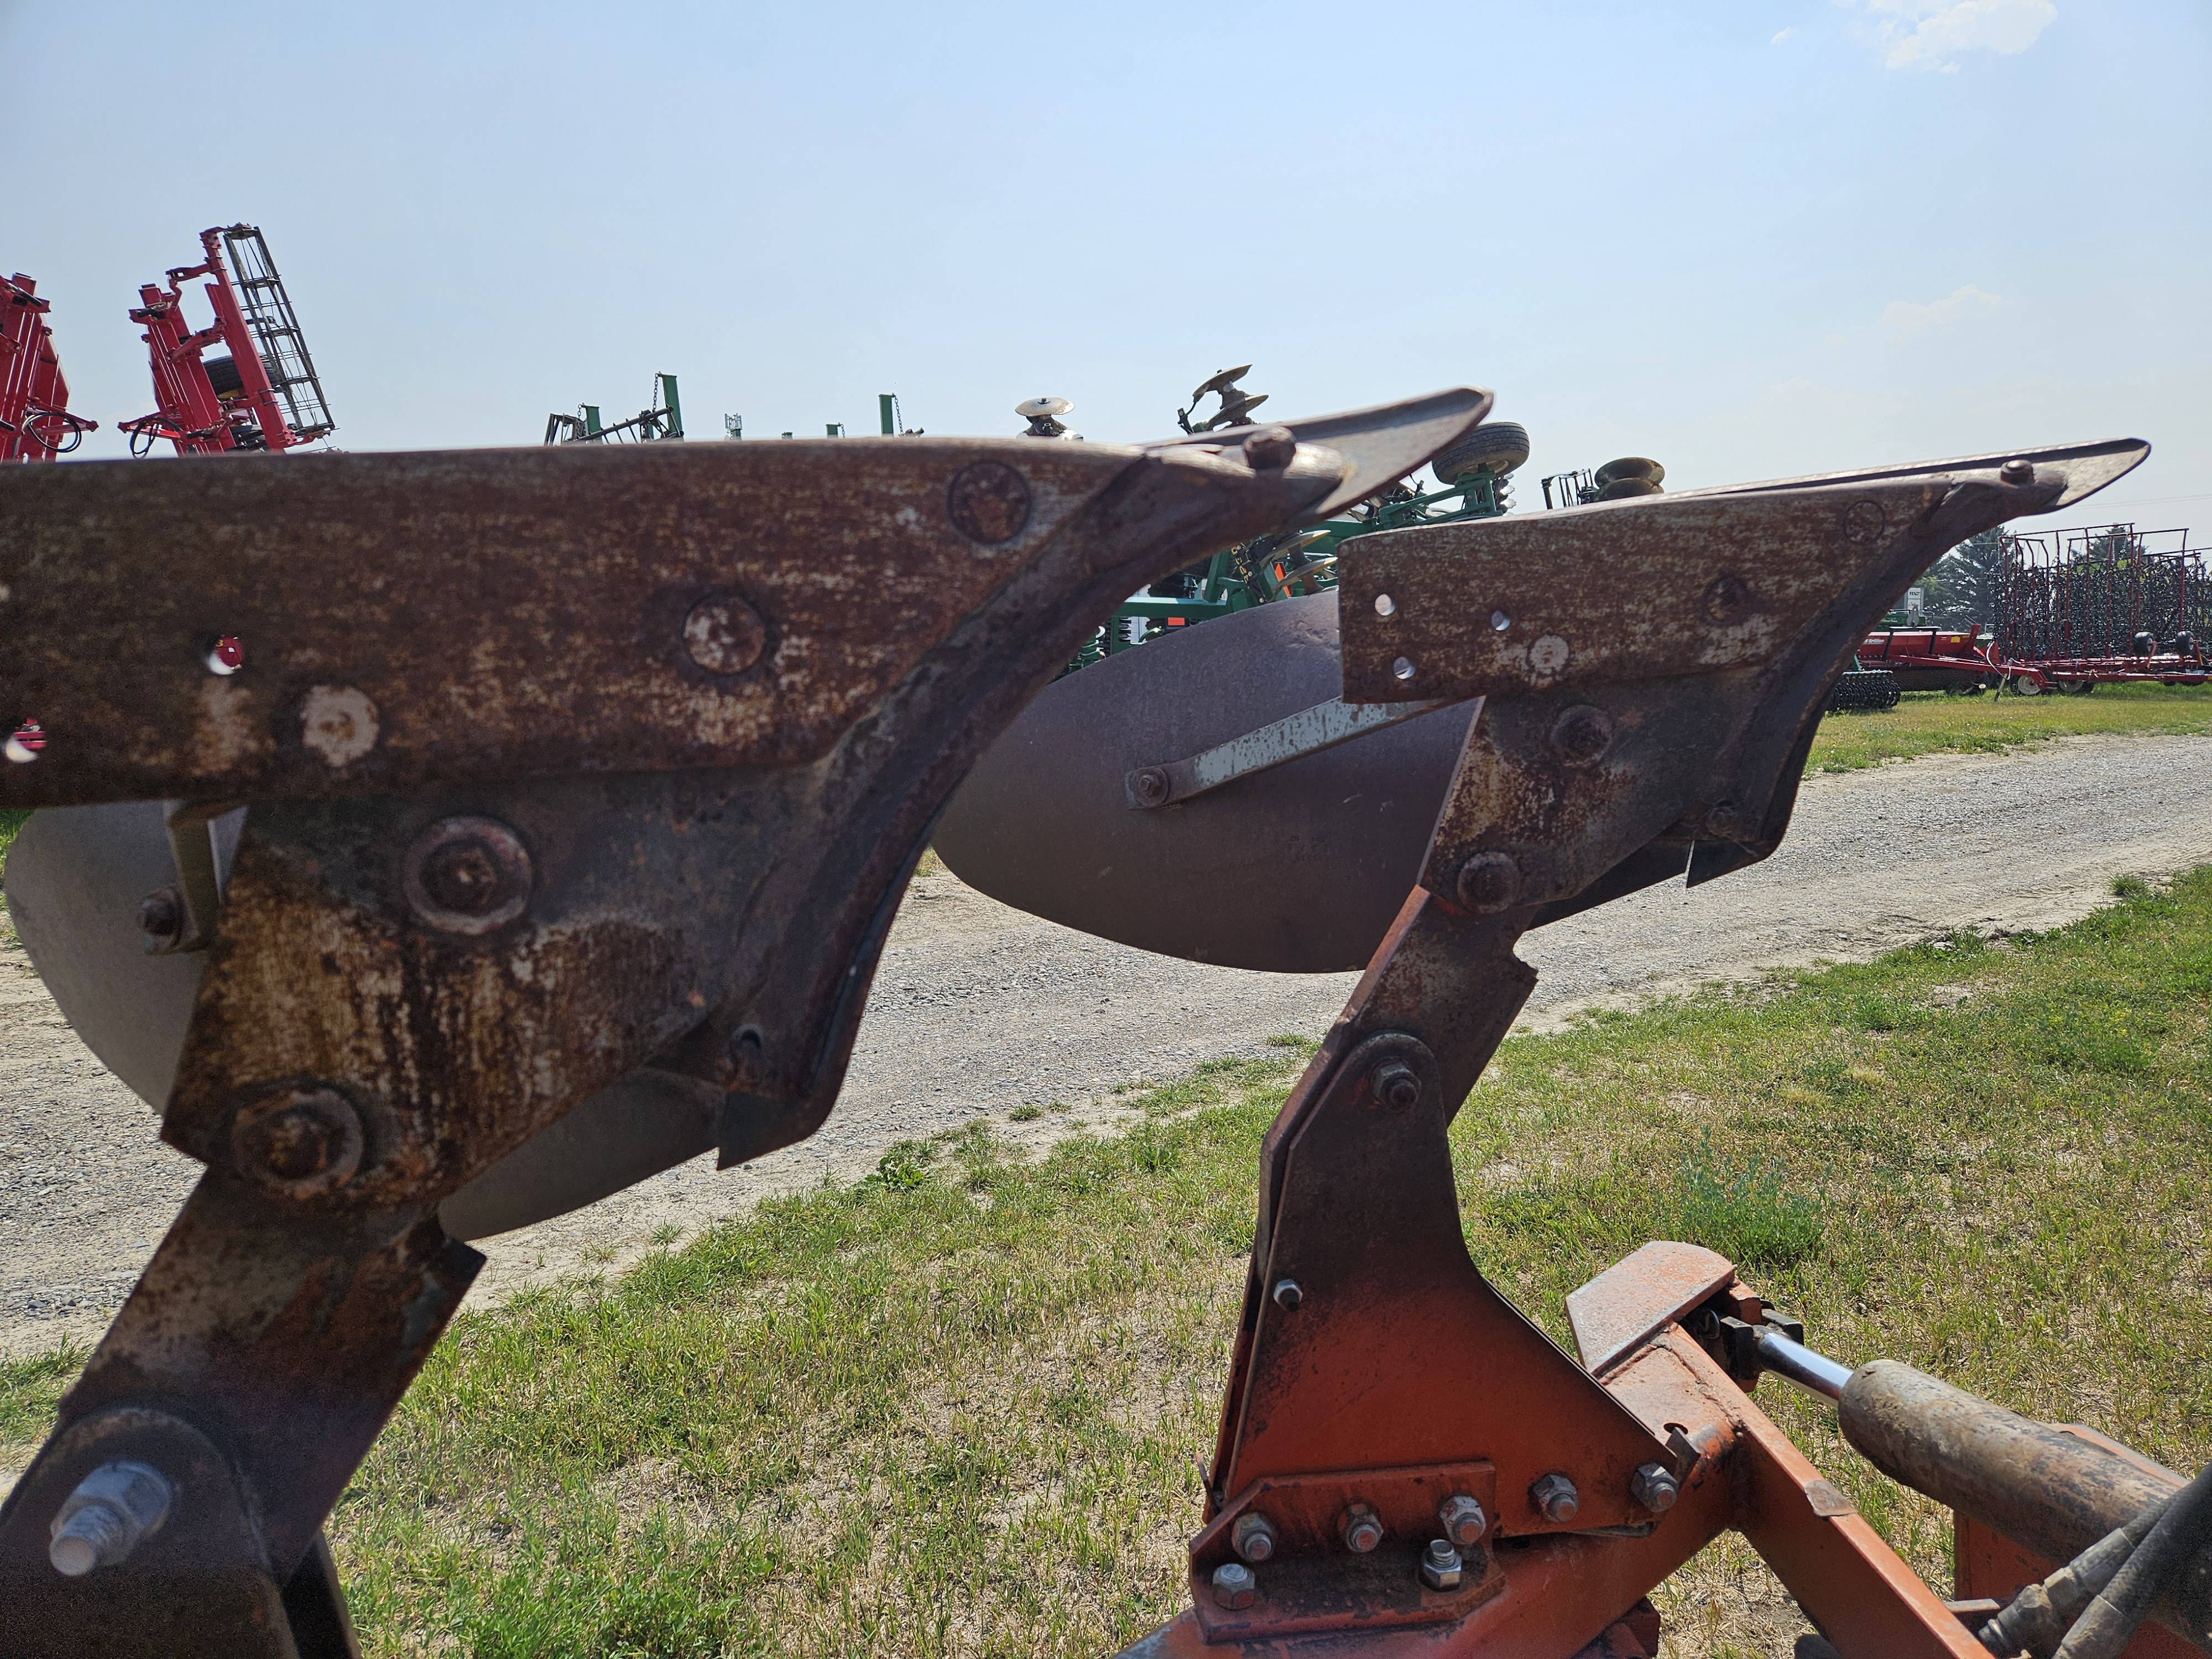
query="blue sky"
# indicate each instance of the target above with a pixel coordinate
(1751, 238)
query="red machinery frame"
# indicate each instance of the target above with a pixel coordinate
(191, 413)
(35, 424)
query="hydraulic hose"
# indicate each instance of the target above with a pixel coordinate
(2109, 1621)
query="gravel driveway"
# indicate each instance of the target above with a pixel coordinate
(978, 1009)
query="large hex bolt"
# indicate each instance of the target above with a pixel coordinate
(1360, 1531)
(104, 1519)
(467, 875)
(1654, 1487)
(1395, 1084)
(162, 921)
(1442, 1569)
(1462, 1519)
(1234, 1586)
(299, 1143)
(1555, 1499)
(1253, 1537)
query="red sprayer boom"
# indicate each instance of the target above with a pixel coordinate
(265, 393)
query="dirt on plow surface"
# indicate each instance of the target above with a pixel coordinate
(978, 1009)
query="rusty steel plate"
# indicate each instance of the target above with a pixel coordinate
(1654, 584)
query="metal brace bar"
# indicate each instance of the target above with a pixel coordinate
(1308, 731)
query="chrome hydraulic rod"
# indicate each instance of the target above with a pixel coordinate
(1799, 1364)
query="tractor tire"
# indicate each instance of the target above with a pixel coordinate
(1629, 466)
(1621, 489)
(222, 374)
(1499, 445)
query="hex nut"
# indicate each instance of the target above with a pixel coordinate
(102, 1521)
(1151, 783)
(1442, 1569)
(1253, 1537)
(1234, 1586)
(162, 920)
(1395, 1084)
(1462, 1519)
(1360, 1529)
(1554, 1497)
(1287, 1294)
(1654, 1487)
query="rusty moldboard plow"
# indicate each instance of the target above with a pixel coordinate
(579, 790)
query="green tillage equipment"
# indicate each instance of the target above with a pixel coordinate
(1278, 568)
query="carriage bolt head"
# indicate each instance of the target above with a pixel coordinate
(2018, 470)
(1287, 1294)
(1271, 448)
(1442, 1569)
(1234, 1586)
(104, 1519)
(1555, 1499)
(1362, 1531)
(1462, 1518)
(1488, 883)
(1253, 1537)
(1395, 1084)
(1654, 1487)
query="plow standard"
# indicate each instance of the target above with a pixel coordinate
(578, 787)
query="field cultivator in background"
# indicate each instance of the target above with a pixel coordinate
(660, 419)
(2108, 602)
(35, 424)
(264, 394)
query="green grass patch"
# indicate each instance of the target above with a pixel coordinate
(954, 1407)
(1929, 722)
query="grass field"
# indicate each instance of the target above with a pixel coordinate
(954, 1409)
(1929, 722)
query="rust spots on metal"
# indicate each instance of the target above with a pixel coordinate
(988, 502)
(1488, 883)
(724, 634)
(1581, 735)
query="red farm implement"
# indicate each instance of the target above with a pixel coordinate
(264, 394)
(1931, 658)
(2105, 603)
(35, 424)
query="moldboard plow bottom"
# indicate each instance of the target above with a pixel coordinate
(582, 784)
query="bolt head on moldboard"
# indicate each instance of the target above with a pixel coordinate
(1442, 1568)
(1489, 882)
(1152, 785)
(162, 920)
(1724, 822)
(1270, 449)
(1395, 1084)
(297, 1142)
(1654, 1487)
(724, 634)
(104, 1519)
(1462, 1519)
(1581, 735)
(2017, 470)
(1234, 1586)
(467, 875)
(1253, 1537)
(1554, 1497)
(1360, 1529)
(1287, 1294)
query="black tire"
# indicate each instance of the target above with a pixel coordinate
(1629, 466)
(1621, 489)
(222, 374)
(1500, 445)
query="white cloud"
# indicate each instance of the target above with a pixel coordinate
(1909, 319)
(1930, 34)
(1784, 36)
